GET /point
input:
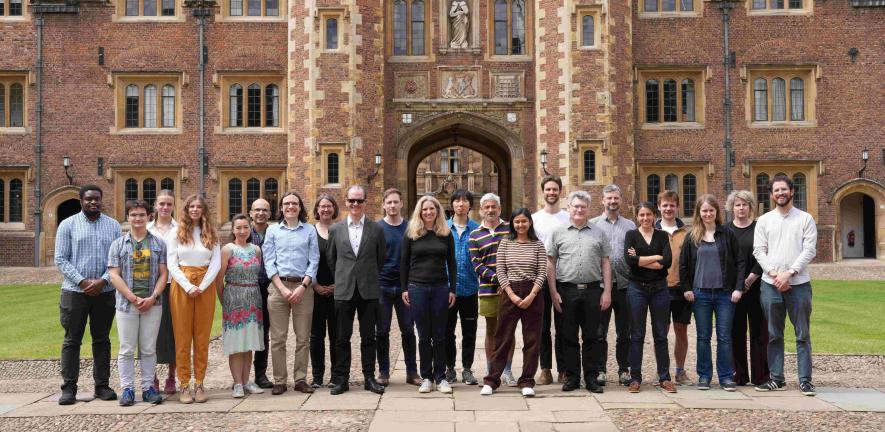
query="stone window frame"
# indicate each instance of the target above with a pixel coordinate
(598, 148)
(327, 149)
(324, 15)
(224, 80)
(119, 175)
(119, 14)
(226, 174)
(699, 74)
(809, 74)
(8, 79)
(121, 81)
(6, 17)
(8, 174)
(807, 8)
(598, 27)
(697, 10)
(224, 13)
(700, 170)
(811, 170)
(428, 35)
(529, 32)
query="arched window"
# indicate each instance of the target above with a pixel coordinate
(131, 106)
(652, 103)
(234, 197)
(331, 33)
(253, 111)
(517, 34)
(272, 106)
(797, 99)
(760, 100)
(688, 100)
(589, 165)
(762, 194)
(332, 169)
(670, 100)
(130, 191)
(168, 184)
(800, 192)
(689, 194)
(149, 191)
(150, 7)
(168, 106)
(16, 192)
(271, 194)
(2, 105)
(236, 106)
(587, 31)
(417, 20)
(253, 191)
(778, 100)
(501, 36)
(671, 183)
(150, 106)
(16, 106)
(653, 188)
(400, 28)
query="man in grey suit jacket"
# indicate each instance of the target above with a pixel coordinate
(356, 254)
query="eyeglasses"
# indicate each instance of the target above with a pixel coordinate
(355, 201)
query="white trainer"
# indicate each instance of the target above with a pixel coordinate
(426, 386)
(252, 388)
(444, 387)
(528, 392)
(508, 379)
(486, 390)
(238, 391)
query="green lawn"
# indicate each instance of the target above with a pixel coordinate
(31, 328)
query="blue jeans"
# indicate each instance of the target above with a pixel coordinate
(430, 310)
(391, 300)
(707, 303)
(796, 303)
(644, 298)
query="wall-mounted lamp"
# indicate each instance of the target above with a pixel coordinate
(101, 56)
(377, 168)
(852, 54)
(100, 163)
(544, 161)
(66, 162)
(865, 156)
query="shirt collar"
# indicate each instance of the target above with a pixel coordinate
(581, 228)
(483, 225)
(351, 223)
(297, 225)
(604, 218)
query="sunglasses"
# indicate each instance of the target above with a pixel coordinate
(355, 200)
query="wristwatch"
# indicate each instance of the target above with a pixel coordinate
(792, 272)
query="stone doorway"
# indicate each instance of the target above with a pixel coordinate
(860, 221)
(59, 205)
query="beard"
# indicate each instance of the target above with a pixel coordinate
(787, 202)
(551, 199)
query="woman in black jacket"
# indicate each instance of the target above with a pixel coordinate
(711, 273)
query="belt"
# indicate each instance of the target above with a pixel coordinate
(292, 279)
(580, 286)
(709, 289)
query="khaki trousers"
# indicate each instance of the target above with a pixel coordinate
(301, 315)
(192, 325)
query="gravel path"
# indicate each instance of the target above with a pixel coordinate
(708, 420)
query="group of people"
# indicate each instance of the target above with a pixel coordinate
(551, 269)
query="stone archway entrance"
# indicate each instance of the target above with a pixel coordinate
(466, 130)
(59, 204)
(860, 222)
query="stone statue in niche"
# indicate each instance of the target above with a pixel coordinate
(459, 14)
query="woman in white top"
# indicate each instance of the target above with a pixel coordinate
(162, 225)
(194, 259)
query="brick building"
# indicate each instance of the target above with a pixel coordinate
(428, 95)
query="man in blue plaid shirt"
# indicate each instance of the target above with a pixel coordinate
(466, 290)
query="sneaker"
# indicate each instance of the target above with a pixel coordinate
(317, 382)
(771, 385)
(426, 386)
(184, 395)
(68, 396)
(546, 377)
(487, 390)
(624, 378)
(444, 387)
(468, 378)
(683, 379)
(238, 391)
(807, 388)
(105, 393)
(668, 386)
(200, 394)
(252, 388)
(600, 378)
(634, 387)
(169, 388)
(450, 374)
(703, 384)
(507, 379)
(728, 386)
(128, 398)
(528, 392)
(152, 396)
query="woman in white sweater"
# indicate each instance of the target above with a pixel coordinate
(194, 259)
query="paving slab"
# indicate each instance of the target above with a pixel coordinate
(289, 401)
(510, 426)
(42, 409)
(597, 426)
(81, 397)
(99, 407)
(749, 391)
(400, 389)
(352, 400)
(578, 416)
(425, 416)
(799, 403)
(416, 404)
(694, 393)
(853, 399)
(477, 402)
(11, 401)
(647, 395)
(639, 405)
(586, 403)
(214, 404)
(536, 427)
(748, 404)
(406, 426)
(531, 415)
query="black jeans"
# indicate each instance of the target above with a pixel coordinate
(390, 302)
(621, 310)
(323, 321)
(367, 312)
(260, 361)
(468, 308)
(429, 306)
(580, 309)
(645, 298)
(75, 309)
(551, 346)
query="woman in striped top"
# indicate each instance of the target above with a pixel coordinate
(521, 270)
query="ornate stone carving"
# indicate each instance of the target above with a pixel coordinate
(460, 19)
(411, 86)
(507, 85)
(459, 85)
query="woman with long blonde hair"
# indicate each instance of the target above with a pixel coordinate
(194, 259)
(429, 291)
(711, 273)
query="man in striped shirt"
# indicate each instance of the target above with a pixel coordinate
(483, 254)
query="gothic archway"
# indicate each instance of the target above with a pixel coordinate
(850, 194)
(51, 219)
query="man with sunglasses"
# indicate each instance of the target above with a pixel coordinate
(260, 215)
(356, 254)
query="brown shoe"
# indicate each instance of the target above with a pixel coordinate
(278, 389)
(414, 380)
(668, 386)
(185, 396)
(562, 378)
(383, 381)
(300, 386)
(545, 378)
(200, 394)
(634, 387)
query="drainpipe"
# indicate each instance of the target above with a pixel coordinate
(726, 7)
(38, 145)
(201, 10)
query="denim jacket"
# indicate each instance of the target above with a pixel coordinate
(120, 255)
(467, 283)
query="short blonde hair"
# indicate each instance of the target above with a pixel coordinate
(744, 195)
(416, 228)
